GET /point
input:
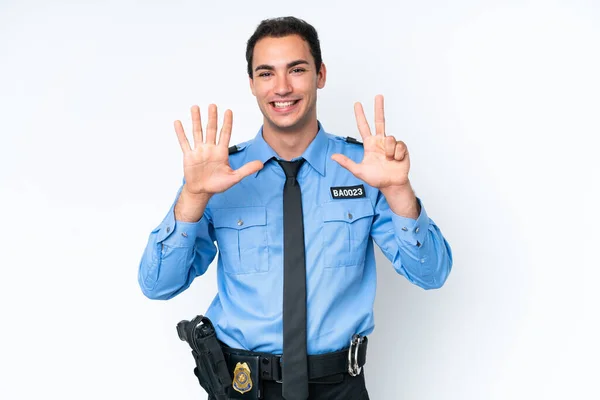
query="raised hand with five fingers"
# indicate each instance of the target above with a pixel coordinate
(385, 163)
(206, 166)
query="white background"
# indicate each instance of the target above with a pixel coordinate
(498, 103)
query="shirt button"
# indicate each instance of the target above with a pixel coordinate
(349, 216)
(184, 234)
(240, 222)
(404, 228)
(422, 261)
(417, 230)
(168, 229)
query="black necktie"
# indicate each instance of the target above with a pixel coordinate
(294, 362)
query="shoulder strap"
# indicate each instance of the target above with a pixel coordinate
(352, 140)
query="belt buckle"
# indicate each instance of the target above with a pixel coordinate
(355, 342)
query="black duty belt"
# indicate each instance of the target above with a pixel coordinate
(349, 360)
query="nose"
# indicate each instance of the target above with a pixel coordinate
(282, 85)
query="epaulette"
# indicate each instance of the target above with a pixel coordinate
(352, 140)
(237, 148)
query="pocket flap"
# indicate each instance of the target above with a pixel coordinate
(239, 217)
(347, 211)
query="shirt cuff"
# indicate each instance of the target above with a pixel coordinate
(410, 230)
(178, 233)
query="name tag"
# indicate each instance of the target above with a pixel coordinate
(347, 192)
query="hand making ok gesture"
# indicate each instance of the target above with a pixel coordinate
(386, 161)
(206, 166)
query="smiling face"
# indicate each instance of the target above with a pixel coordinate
(285, 82)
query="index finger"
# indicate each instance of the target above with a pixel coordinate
(379, 116)
(361, 121)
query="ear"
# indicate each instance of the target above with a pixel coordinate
(251, 81)
(321, 77)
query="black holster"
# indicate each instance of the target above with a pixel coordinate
(211, 368)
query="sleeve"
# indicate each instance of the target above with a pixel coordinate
(416, 248)
(176, 253)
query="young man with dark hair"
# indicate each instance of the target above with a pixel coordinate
(294, 213)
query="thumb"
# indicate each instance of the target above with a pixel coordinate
(248, 169)
(346, 163)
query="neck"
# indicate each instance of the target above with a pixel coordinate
(290, 144)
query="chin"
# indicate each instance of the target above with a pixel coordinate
(285, 125)
(282, 122)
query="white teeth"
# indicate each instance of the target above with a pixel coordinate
(280, 104)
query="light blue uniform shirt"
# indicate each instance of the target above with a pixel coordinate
(246, 223)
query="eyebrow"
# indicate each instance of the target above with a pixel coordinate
(289, 65)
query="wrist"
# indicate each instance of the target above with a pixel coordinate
(190, 206)
(400, 191)
(402, 200)
(194, 198)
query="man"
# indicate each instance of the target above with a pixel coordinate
(294, 213)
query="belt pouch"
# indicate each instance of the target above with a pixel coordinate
(246, 377)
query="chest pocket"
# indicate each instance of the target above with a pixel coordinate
(346, 232)
(242, 239)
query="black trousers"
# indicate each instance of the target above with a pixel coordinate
(350, 388)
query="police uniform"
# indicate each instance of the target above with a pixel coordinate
(343, 219)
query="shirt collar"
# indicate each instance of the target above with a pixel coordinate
(315, 154)
(260, 150)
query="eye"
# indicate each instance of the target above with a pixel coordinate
(298, 70)
(264, 74)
